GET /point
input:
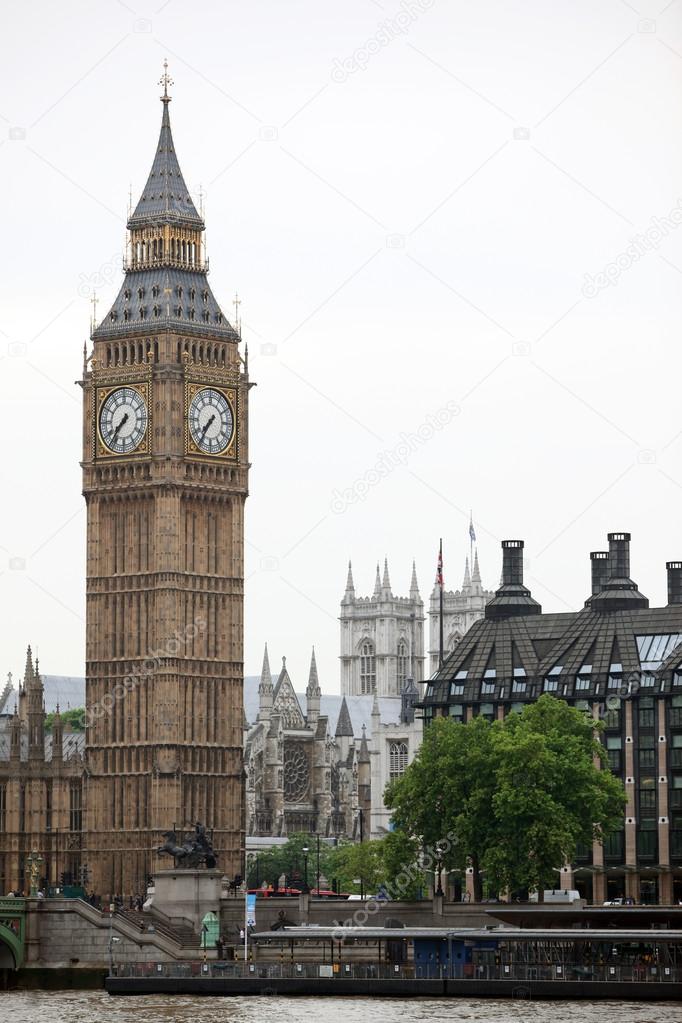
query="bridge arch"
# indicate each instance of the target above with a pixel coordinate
(11, 949)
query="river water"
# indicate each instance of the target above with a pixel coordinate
(98, 1007)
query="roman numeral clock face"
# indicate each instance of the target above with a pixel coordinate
(123, 420)
(210, 421)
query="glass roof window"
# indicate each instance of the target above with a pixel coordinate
(653, 650)
(519, 672)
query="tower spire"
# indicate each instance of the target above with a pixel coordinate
(467, 576)
(377, 583)
(414, 585)
(476, 576)
(350, 586)
(313, 680)
(386, 583)
(313, 692)
(166, 80)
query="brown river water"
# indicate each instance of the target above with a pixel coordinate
(98, 1007)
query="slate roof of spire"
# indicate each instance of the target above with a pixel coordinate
(170, 290)
(166, 298)
(165, 198)
(344, 725)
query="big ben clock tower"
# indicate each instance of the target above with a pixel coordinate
(165, 478)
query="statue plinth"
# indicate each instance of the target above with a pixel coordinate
(186, 895)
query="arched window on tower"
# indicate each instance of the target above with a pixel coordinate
(368, 668)
(401, 664)
(397, 759)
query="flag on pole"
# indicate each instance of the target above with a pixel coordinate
(439, 567)
(472, 531)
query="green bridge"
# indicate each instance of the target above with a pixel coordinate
(12, 933)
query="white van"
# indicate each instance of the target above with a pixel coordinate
(561, 895)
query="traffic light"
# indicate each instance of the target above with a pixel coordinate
(62, 879)
(84, 875)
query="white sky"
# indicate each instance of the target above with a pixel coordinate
(402, 242)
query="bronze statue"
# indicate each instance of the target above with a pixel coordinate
(195, 851)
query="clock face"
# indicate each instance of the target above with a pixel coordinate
(123, 420)
(211, 421)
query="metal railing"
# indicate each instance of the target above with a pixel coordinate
(522, 972)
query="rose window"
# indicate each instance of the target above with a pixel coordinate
(296, 773)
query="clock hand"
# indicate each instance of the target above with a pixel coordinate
(122, 423)
(209, 423)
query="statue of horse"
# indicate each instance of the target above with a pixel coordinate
(195, 850)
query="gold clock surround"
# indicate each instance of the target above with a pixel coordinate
(100, 393)
(231, 395)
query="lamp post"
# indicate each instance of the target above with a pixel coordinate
(318, 866)
(305, 850)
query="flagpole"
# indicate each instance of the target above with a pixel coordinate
(440, 563)
(471, 541)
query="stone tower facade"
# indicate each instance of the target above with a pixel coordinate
(41, 791)
(165, 476)
(461, 608)
(382, 638)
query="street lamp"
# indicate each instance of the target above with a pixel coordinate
(305, 850)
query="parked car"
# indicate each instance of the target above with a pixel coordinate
(619, 901)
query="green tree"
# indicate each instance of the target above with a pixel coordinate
(288, 860)
(356, 866)
(510, 798)
(550, 795)
(74, 717)
(444, 797)
(400, 870)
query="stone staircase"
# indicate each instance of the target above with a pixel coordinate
(183, 934)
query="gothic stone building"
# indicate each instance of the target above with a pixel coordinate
(323, 770)
(382, 638)
(165, 476)
(41, 789)
(618, 660)
(461, 608)
(300, 777)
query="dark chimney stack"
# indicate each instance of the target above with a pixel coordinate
(599, 561)
(512, 598)
(512, 562)
(618, 592)
(619, 555)
(674, 570)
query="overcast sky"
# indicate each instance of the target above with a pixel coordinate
(428, 209)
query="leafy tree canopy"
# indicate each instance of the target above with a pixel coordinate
(75, 717)
(511, 798)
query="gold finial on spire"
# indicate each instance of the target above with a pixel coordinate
(165, 80)
(237, 319)
(93, 301)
